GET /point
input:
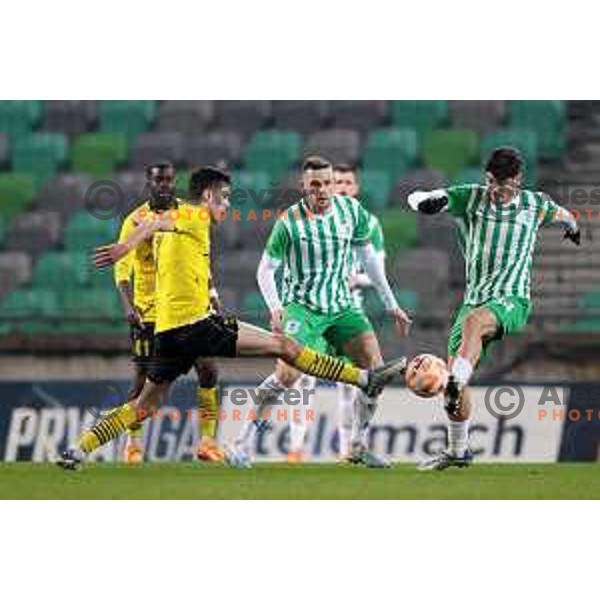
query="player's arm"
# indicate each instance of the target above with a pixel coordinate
(362, 280)
(105, 256)
(213, 295)
(276, 250)
(454, 199)
(374, 264)
(555, 213)
(123, 272)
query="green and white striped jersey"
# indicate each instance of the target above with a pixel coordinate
(316, 252)
(376, 238)
(498, 244)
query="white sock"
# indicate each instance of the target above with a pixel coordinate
(346, 396)
(462, 370)
(299, 428)
(364, 411)
(269, 390)
(458, 437)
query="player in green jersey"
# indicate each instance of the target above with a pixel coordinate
(313, 243)
(498, 225)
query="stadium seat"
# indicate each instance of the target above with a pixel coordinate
(420, 179)
(64, 193)
(219, 148)
(126, 116)
(547, 119)
(70, 117)
(4, 149)
(469, 175)
(250, 192)
(16, 192)
(156, 146)
(99, 153)
(420, 115)
(591, 300)
(359, 115)
(29, 304)
(375, 189)
(84, 232)
(34, 232)
(132, 184)
(41, 154)
(450, 150)
(336, 145)
(91, 304)
(391, 150)
(303, 116)
(15, 269)
(19, 116)
(244, 116)
(185, 116)
(3, 226)
(254, 309)
(399, 230)
(273, 152)
(62, 270)
(523, 139)
(483, 116)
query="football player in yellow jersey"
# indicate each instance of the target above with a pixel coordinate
(139, 307)
(187, 329)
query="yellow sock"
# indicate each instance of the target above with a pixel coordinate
(326, 367)
(207, 407)
(108, 428)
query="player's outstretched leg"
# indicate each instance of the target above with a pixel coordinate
(133, 452)
(472, 330)
(114, 424)
(254, 341)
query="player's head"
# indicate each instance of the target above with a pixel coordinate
(160, 181)
(212, 186)
(317, 182)
(346, 180)
(503, 173)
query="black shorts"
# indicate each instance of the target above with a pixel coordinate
(176, 350)
(142, 344)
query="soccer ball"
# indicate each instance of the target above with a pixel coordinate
(426, 375)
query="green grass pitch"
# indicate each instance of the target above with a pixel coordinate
(278, 481)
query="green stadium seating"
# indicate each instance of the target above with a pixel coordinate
(126, 116)
(254, 308)
(99, 153)
(547, 118)
(450, 150)
(469, 175)
(2, 230)
(391, 150)
(41, 154)
(19, 116)
(591, 300)
(399, 230)
(420, 115)
(16, 192)
(94, 304)
(273, 152)
(29, 304)
(246, 193)
(523, 139)
(62, 270)
(84, 232)
(375, 189)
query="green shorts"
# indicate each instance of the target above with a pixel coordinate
(321, 331)
(512, 315)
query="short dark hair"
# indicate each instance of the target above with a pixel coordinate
(315, 163)
(160, 166)
(346, 168)
(203, 178)
(504, 163)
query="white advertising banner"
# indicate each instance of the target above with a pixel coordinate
(407, 428)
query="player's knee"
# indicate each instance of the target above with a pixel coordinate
(287, 347)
